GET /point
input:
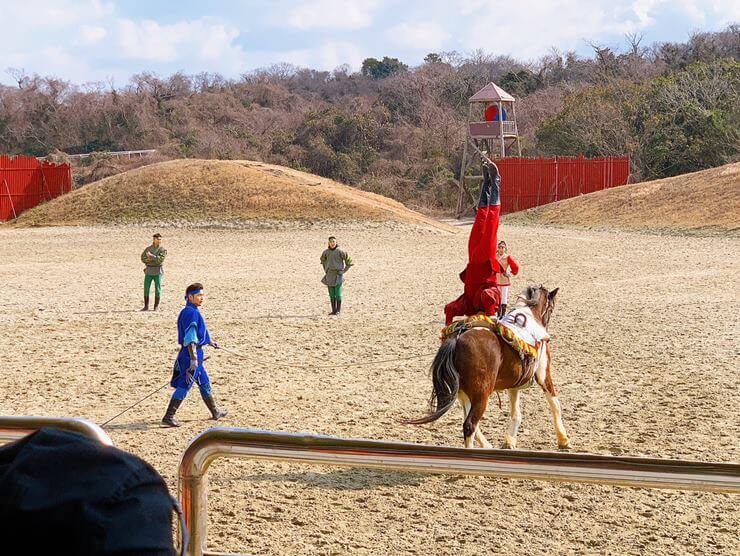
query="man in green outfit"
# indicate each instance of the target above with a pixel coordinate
(335, 262)
(153, 257)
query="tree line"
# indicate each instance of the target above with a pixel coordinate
(399, 131)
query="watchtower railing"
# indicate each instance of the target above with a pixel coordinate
(492, 130)
(326, 450)
(13, 427)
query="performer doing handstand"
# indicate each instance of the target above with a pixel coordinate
(481, 293)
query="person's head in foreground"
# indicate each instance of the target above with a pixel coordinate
(332, 242)
(63, 493)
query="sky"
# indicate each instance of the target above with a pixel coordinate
(110, 40)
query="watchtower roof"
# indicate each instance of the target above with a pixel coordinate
(491, 93)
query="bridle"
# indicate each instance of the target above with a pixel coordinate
(549, 306)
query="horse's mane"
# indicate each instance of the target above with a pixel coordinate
(531, 295)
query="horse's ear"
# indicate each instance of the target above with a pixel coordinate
(552, 294)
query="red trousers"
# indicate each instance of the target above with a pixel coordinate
(486, 300)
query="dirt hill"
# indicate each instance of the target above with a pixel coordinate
(217, 192)
(701, 203)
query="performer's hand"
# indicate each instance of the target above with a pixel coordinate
(191, 371)
(215, 345)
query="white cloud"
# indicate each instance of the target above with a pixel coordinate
(419, 36)
(84, 40)
(205, 40)
(327, 56)
(30, 14)
(92, 34)
(332, 14)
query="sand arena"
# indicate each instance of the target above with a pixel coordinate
(645, 355)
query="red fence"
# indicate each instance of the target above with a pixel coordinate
(531, 182)
(25, 182)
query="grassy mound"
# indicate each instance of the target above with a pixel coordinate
(216, 192)
(700, 203)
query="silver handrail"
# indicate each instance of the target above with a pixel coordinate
(13, 427)
(326, 450)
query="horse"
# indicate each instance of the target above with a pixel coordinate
(473, 364)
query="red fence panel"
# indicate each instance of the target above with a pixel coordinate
(531, 182)
(25, 182)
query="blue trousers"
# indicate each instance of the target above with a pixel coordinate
(204, 384)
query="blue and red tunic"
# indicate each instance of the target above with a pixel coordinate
(191, 328)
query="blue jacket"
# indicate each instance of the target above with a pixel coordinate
(191, 327)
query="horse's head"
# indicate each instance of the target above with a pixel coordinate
(540, 300)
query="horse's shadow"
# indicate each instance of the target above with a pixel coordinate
(341, 479)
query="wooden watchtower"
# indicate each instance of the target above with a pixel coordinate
(491, 133)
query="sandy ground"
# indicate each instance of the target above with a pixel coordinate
(645, 349)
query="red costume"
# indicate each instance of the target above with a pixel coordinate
(481, 293)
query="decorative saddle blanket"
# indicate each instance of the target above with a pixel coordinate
(508, 333)
(523, 325)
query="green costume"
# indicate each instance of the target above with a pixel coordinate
(335, 262)
(153, 272)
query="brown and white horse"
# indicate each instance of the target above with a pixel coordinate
(471, 366)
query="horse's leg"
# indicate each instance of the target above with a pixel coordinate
(515, 419)
(470, 426)
(557, 419)
(544, 379)
(466, 406)
(480, 440)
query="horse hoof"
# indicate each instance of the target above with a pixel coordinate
(564, 447)
(508, 446)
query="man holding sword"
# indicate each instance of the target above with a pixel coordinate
(192, 335)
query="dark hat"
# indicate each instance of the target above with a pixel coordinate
(63, 493)
(157, 235)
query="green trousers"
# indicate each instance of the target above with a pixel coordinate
(335, 292)
(157, 279)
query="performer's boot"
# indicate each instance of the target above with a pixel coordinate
(156, 302)
(146, 303)
(169, 416)
(333, 307)
(502, 310)
(339, 306)
(216, 413)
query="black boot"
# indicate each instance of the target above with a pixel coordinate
(502, 310)
(169, 417)
(146, 303)
(339, 306)
(216, 413)
(156, 302)
(333, 307)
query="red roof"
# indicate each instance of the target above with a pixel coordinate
(491, 92)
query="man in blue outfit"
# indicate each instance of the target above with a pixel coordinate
(192, 335)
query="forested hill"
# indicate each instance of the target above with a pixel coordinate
(398, 131)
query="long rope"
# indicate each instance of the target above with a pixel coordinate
(333, 366)
(242, 356)
(137, 403)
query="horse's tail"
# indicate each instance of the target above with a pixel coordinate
(445, 382)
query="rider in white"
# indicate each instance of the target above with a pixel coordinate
(503, 279)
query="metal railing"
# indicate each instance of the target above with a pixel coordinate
(325, 450)
(12, 427)
(114, 154)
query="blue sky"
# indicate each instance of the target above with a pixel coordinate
(110, 40)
